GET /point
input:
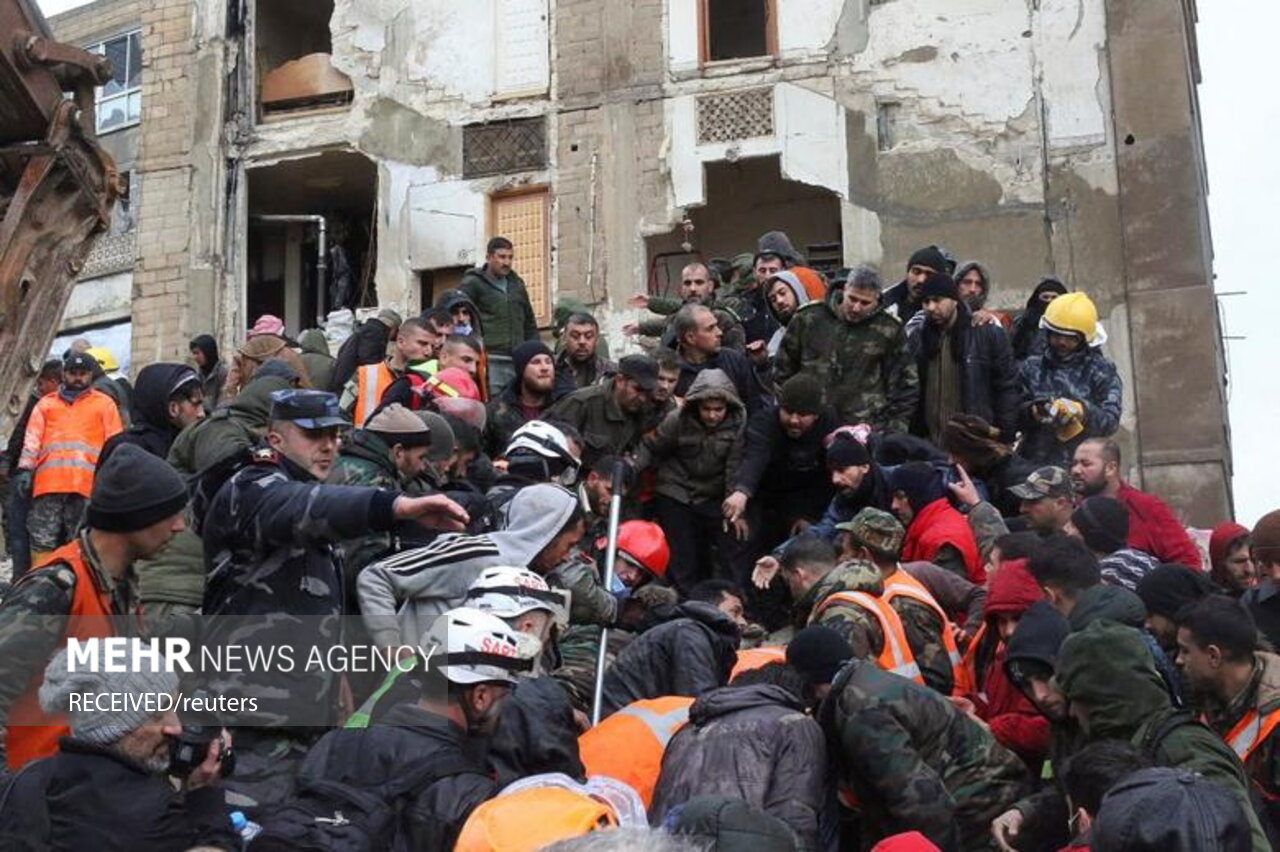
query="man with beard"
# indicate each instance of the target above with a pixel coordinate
(903, 299)
(698, 286)
(166, 399)
(108, 786)
(974, 284)
(581, 365)
(698, 339)
(611, 416)
(1071, 392)
(526, 398)
(786, 292)
(60, 449)
(859, 483)
(774, 253)
(964, 368)
(857, 352)
(1153, 528)
(1027, 337)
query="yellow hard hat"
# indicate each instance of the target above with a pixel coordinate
(103, 356)
(1073, 313)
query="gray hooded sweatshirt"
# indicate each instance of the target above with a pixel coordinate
(401, 596)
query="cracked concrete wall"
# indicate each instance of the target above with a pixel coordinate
(1029, 135)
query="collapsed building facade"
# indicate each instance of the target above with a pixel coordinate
(296, 156)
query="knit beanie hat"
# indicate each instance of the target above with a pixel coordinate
(102, 722)
(818, 652)
(929, 256)
(939, 285)
(847, 452)
(920, 481)
(1169, 588)
(442, 439)
(801, 394)
(267, 324)
(1224, 535)
(1266, 538)
(1103, 523)
(526, 352)
(133, 490)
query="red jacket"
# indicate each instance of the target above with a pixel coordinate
(1155, 529)
(938, 524)
(1013, 719)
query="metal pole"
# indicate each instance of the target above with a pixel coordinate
(610, 560)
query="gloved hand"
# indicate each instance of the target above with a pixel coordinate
(1068, 417)
(22, 481)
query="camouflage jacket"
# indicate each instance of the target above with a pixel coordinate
(915, 762)
(589, 601)
(866, 367)
(666, 306)
(862, 630)
(365, 459)
(1088, 378)
(33, 618)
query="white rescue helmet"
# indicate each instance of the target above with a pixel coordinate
(471, 646)
(540, 439)
(510, 592)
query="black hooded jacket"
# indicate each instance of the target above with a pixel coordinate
(1027, 339)
(151, 428)
(688, 655)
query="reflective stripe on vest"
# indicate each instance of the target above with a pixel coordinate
(372, 381)
(71, 442)
(902, 584)
(895, 656)
(32, 733)
(1251, 732)
(629, 744)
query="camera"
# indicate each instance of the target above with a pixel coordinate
(188, 750)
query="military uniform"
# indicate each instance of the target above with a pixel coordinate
(605, 428)
(915, 762)
(866, 366)
(572, 375)
(730, 325)
(35, 614)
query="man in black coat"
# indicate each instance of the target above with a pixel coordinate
(366, 345)
(751, 740)
(963, 368)
(107, 788)
(697, 341)
(690, 653)
(167, 398)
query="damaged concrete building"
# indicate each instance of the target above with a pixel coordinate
(299, 155)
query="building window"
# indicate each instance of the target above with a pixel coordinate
(502, 147)
(522, 217)
(119, 102)
(737, 29)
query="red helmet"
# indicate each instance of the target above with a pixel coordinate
(645, 543)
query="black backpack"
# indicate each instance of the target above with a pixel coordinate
(330, 816)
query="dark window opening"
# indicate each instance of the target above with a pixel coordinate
(736, 29)
(293, 47)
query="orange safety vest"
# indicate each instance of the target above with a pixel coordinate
(1251, 732)
(31, 732)
(756, 658)
(372, 381)
(629, 744)
(895, 656)
(65, 440)
(902, 584)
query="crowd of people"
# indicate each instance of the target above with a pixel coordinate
(820, 564)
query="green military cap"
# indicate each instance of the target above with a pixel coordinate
(875, 529)
(1044, 482)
